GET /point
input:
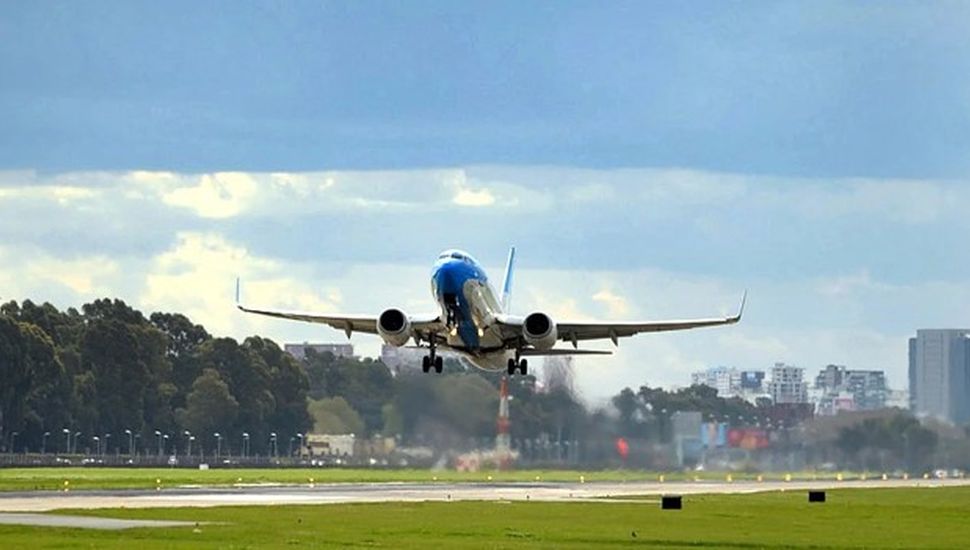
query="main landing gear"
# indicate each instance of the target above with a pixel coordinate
(432, 360)
(520, 365)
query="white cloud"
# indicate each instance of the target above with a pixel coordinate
(617, 306)
(219, 195)
(474, 197)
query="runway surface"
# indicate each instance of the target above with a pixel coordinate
(42, 501)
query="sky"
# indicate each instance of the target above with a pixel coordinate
(649, 160)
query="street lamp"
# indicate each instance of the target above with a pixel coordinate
(13, 442)
(245, 437)
(137, 438)
(188, 442)
(67, 440)
(104, 449)
(272, 439)
(191, 439)
(77, 435)
(43, 443)
(97, 443)
(218, 437)
(301, 436)
(158, 438)
(289, 449)
(165, 444)
(131, 442)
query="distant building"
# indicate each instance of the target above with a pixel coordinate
(787, 384)
(897, 398)
(939, 374)
(330, 444)
(300, 350)
(752, 380)
(727, 381)
(840, 389)
(404, 358)
(558, 373)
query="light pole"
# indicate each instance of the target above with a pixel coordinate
(300, 450)
(191, 439)
(218, 437)
(188, 442)
(158, 439)
(67, 441)
(77, 436)
(289, 449)
(104, 450)
(97, 444)
(13, 442)
(245, 437)
(165, 440)
(131, 443)
(137, 438)
(43, 443)
(272, 439)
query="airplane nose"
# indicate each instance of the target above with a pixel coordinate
(444, 278)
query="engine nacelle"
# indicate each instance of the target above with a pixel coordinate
(394, 327)
(539, 331)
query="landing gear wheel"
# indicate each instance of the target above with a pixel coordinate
(425, 363)
(524, 367)
(511, 367)
(438, 364)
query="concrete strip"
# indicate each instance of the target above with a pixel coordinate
(84, 522)
(415, 492)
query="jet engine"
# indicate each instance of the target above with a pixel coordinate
(539, 331)
(394, 327)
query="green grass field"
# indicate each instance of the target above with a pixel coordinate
(876, 518)
(28, 479)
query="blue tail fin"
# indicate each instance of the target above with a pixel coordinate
(507, 284)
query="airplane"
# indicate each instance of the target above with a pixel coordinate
(474, 322)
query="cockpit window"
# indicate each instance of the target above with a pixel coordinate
(457, 256)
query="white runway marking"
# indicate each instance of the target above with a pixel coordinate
(84, 522)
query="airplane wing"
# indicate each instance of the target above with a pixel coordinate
(574, 331)
(347, 323)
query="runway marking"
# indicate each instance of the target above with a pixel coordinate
(85, 522)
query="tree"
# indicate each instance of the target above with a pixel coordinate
(210, 407)
(335, 416)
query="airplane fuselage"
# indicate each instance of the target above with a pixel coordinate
(469, 306)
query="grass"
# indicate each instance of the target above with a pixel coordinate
(875, 518)
(30, 479)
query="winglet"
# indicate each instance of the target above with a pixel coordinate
(744, 298)
(507, 283)
(238, 304)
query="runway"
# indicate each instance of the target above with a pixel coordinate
(43, 501)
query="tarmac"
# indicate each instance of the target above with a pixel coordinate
(35, 502)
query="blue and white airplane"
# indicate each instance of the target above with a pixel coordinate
(474, 322)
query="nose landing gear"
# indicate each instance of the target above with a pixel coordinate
(520, 365)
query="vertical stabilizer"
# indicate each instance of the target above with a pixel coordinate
(507, 283)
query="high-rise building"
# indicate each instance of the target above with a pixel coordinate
(840, 389)
(727, 381)
(939, 374)
(787, 384)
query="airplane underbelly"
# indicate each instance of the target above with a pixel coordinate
(493, 362)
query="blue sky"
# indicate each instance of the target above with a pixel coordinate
(649, 160)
